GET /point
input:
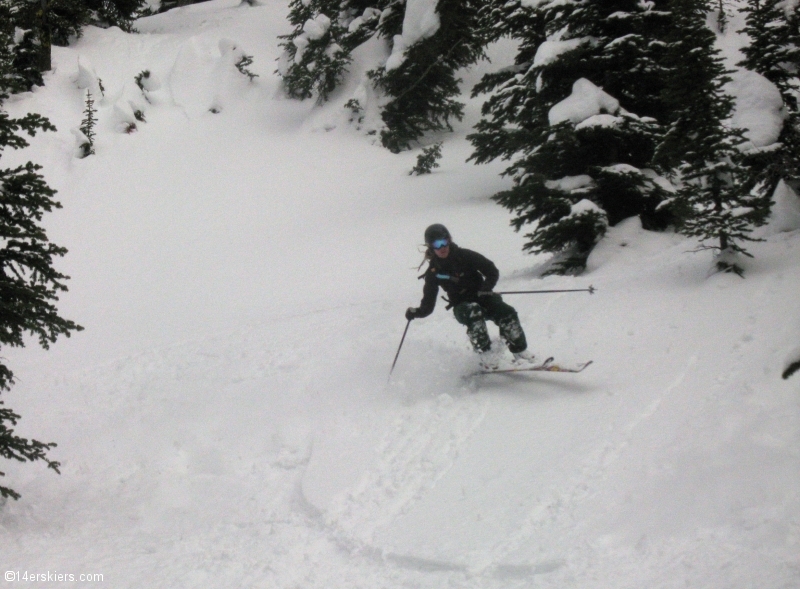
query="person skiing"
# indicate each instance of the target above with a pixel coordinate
(468, 279)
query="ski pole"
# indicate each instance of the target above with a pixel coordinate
(590, 290)
(397, 355)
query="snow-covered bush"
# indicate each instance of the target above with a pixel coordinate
(427, 160)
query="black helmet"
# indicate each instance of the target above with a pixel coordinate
(436, 231)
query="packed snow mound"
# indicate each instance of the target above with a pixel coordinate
(204, 79)
(758, 107)
(785, 214)
(86, 77)
(586, 100)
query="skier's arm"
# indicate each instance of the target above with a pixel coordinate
(486, 267)
(428, 303)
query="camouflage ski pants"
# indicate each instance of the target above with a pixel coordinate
(491, 307)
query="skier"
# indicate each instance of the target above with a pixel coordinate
(468, 279)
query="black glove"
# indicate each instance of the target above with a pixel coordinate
(411, 313)
(485, 293)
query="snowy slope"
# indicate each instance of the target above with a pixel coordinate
(225, 419)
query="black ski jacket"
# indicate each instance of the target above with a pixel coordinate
(461, 274)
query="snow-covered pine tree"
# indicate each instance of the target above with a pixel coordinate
(773, 27)
(29, 285)
(578, 117)
(54, 22)
(243, 66)
(19, 54)
(431, 40)
(318, 50)
(87, 125)
(427, 160)
(116, 13)
(700, 147)
(774, 52)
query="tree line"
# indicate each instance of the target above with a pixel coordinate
(612, 108)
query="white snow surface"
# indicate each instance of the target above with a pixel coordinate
(585, 101)
(225, 419)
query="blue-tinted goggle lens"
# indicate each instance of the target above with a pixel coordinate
(440, 243)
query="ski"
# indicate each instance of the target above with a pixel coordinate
(546, 366)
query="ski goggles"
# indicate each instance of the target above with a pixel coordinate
(440, 243)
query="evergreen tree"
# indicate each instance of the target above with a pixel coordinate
(576, 171)
(87, 125)
(318, 50)
(56, 21)
(699, 147)
(427, 160)
(116, 13)
(19, 54)
(243, 64)
(773, 27)
(774, 52)
(420, 80)
(418, 84)
(29, 285)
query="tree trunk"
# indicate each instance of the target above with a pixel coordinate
(45, 39)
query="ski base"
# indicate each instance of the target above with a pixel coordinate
(546, 366)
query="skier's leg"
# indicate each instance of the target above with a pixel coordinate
(472, 315)
(506, 318)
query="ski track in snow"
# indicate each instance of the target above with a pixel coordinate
(418, 451)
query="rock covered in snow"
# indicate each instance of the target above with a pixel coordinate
(586, 100)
